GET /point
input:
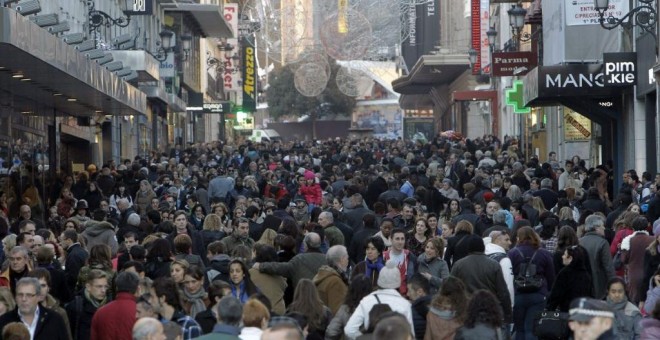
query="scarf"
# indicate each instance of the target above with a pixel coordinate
(617, 306)
(243, 297)
(196, 300)
(96, 303)
(377, 266)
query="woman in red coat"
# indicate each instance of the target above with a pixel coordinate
(311, 190)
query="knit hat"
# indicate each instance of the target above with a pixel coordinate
(389, 276)
(488, 196)
(475, 244)
(309, 175)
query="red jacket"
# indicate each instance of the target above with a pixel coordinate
(115, 320)
(312, 193)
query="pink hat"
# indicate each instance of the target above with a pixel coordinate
(309, 175)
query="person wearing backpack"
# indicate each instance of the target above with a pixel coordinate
(497, 244)
(533, 271)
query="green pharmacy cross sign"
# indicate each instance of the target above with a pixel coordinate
(514, 97)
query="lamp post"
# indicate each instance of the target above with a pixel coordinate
(100, 18)
(472, 55)
(645, 16)
(165, 45)
(186, 42)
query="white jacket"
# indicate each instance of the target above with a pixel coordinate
(361, 315)
(505, 263)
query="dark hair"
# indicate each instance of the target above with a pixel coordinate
(127, 282)
(640, 223)
(40, 273)
(138, 253)
(216, 247)
(484, 308)
(196, 272)
(216, 290)
(139, 266)
(250, 288)
(566, 237)
(549, 227)
(359, 287)
(70, 234)
(159, 248)
(154, 216)
(264, 253)
(417, 281)
(616, 280)
(165, 286)
(398, 231)
(377, 242)
(452, 295)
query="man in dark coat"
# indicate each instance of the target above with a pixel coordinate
(354, 215)
(76, 256)
(48, 326)
(418, 293)
(547, 195)
(374, 190)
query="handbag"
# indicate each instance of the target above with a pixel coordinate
(551, 325)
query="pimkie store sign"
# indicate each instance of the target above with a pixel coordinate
(506, 64)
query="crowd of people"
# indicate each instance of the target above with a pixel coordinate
(336, 239)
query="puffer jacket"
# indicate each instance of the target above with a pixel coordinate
(331, 286)
(626, 320)
(100, 232)
(312, 193)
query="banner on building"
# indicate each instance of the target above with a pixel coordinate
(506, 64)
(423, 22)
(230, 77)
(576, 126)
(620, 69)
(583, 12)
(249, 77)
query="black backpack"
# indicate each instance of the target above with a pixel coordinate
(527, 280)
(497, 256)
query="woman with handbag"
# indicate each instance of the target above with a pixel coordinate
(573, 281)
(534, 274)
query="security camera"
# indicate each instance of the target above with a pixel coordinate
(86, 45)
(73, 38)
(45, 20)
(95, 54)
(114, 66)
(131, 76)
(124, 38)
(59, 28)
(28, 7)
(106, 59)
(123, 72)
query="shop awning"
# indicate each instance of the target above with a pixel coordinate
(209, 18)
(431, 71)
(55, 77)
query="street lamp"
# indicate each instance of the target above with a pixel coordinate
(492, 36)
(517, 20)
(186, 42)
(644, 16)
(165, 45)
(472, 55)
(100, 18)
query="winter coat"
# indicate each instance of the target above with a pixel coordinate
(301, 266)
(312, 193)
(420, 308)
(232, 241)
(650, 329)
(543, 261)
(616, 245)
(573, 281)
(155, 268)
(332, 288)
(80, 317)
(115, 320)
(633, 248)
(477, 271)
(407, 268)
(437, 267)
(360, 316)
(100, 232)
(361, 268)
(273, 286)
(335, 330)
(218, 268)
(652, 297)
(197, 241)
(457, 248)
(626, 321)
(505, 264)
(49, 327)
(441, 325)
(601, 261)
(75, 259)
(142, 201)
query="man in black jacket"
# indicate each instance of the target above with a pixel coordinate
(43, 323)
(75, 259)
(83, 307)
(418, 293)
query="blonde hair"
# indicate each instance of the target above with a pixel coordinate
(7, 298)
(212, 222)
(268, 237)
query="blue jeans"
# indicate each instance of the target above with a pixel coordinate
(525, 307)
